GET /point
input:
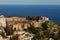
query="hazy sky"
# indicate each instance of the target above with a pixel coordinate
(30, 2)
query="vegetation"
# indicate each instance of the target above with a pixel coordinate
(9, 30)
(46, 31)
(35, 31)
(49, 29)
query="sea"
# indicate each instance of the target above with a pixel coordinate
(50, 11)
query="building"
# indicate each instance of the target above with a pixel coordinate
(24, 35)
(21, 26)
(44, 18)
(2, 21)
(36, 24)
(15, 26)
(1, 38)
(28, 36)
(22, 19)
(9, 19)
(16, 19)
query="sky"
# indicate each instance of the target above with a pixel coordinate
(29, 2)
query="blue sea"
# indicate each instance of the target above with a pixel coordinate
(51, 11)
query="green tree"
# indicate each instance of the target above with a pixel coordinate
(8, 30)
(35, 31)
(37, 18)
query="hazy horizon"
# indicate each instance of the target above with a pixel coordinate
(29, 2)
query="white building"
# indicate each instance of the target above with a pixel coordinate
(44, 18)
(51, 39)
(24, 35)
(1, 38)
(2, 21)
